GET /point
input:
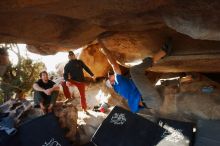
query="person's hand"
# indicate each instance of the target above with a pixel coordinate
(68, 84)
(56, 87)
(94, 78)
(48, 91)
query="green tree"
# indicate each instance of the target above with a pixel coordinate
(18, 79)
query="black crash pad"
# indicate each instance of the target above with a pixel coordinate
(44, 130)
(178, 133)
(208, 133)
(124, 128)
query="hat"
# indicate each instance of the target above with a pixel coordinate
(108, 84)
(71, 53)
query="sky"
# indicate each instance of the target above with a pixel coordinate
(49, 60)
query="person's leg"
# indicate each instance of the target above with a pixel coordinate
(66, 90)
(39, 100)
(82, 95)
(149, 94)
(165, 50)
(53, 99)
(54, 96)
(81, 88)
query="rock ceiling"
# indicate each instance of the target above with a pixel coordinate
(131, 29)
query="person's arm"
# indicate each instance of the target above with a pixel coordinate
(86, 68)
(110, 58)
(65, 74)
(54, 88)
(38, 88)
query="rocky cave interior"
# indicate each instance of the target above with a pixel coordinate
(131, 30)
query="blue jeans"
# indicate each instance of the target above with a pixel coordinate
(51, 99)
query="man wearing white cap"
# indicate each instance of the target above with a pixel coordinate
(138, 91)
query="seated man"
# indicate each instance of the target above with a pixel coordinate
(46, 92)
(139, 90)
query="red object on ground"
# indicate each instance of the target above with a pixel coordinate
(102, 109)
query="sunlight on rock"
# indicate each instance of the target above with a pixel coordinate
(159, 82)
(102, 96)
(133, 63)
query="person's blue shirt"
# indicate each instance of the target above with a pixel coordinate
(127, 89)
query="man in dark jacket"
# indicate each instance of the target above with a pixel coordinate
(73, 76)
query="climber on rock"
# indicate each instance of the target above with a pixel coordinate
(138, 91)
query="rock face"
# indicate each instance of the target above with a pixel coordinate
(139, 27)
(95, 60)
(68, 119)
(131, 47)
(197, 99)
(190, 18)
